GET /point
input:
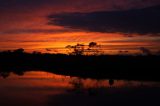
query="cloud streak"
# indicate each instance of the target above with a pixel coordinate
(37, 31)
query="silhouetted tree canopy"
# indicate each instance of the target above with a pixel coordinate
(80, 49)
(21, 50)
(92, 44)
(77, 49)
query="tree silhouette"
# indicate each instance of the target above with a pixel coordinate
(21, 50)
(94, 48)
(123, 52)
(76, 50)
(145, 51)
(80, 49)
(36, 52)
(92, 44)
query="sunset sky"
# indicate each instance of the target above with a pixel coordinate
(36, 25)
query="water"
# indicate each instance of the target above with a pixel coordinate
(48, 89)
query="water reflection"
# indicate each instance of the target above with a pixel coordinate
(43, 89)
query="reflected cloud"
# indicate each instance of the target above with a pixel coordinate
(62, 90)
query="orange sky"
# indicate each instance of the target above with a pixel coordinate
(111, 42)
(24, 25)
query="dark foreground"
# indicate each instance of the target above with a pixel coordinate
(83, 80)
(99, 67)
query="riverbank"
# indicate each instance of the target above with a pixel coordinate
(98, 67)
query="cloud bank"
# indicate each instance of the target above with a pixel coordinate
(141, 21)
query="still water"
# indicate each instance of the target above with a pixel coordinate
(47, 89)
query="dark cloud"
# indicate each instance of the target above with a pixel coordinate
(141, 21)
(28, 5)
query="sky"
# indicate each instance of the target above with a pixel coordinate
(116, 24)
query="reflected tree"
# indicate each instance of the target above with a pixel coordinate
(111, 82)
(4, 74)
(19, 73)
(158, 52)
(77, 83)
